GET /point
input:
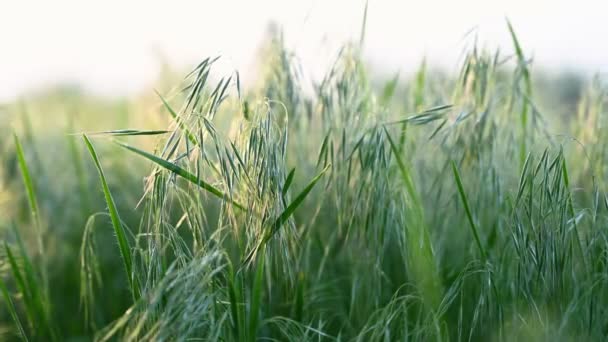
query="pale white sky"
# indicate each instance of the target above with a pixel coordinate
(111, 46)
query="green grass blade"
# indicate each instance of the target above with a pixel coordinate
(285, 214)
(129, 132)
(465, 203)
(178, 120)
(389, 90)
(418, 90)
(11, 310)
(363, 26)
(518, 49)
(30, 274)
(81, 176)
(121, 236)
(405, 174)
(183, 173)
(30, 284)
(31, 193)
(256, 298)
(20, 282)
(27, 179)
(33, 296)
(295, 203)
(523, 180)
(288, 182)
(571, 210)
(528, 91)
(422, 259)
(234, 308)
(425, 117)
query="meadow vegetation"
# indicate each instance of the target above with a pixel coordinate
(463, 207)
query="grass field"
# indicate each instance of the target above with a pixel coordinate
(464, 206)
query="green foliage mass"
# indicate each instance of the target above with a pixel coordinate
(436, 206)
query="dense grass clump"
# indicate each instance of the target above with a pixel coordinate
(433, 208)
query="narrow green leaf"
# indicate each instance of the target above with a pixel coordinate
(178, 120)
(323, 151)
(234, 308)
(256, 298)
(438, 129)
(389, 90)
(437, 108)
(11, 310)
(528, 91)
(20, 282)
(418, 90)
(81, 176)
(27, 182)
(183, 173)
(30, 285)
(128, 132)
(571, 210)
(121, 236)
(523, 180)
(299, 302)
(405, 175)
(422, 261)
(30, 290)
(286, 214)
(363, 26)
(31, 276)
(425, 117)
(288, 181)
(296, 203)
(465, 202)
